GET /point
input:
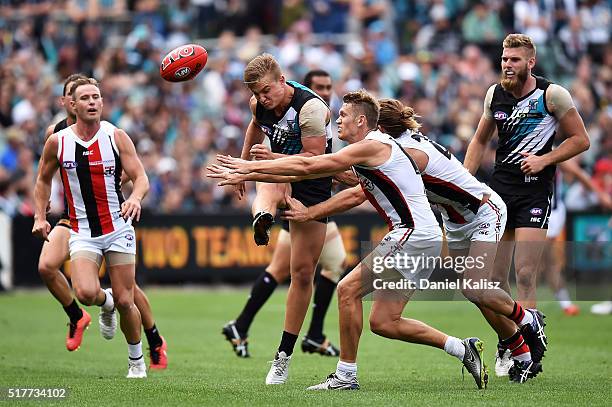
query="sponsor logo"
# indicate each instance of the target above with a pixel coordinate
(177, 54)
(183, 72)
(69, 165)
(535, 219)
(129, 237)
(484, 226)
(483, 232)
(88, 152)
(536, 211)
(499, 115)
(529, 178)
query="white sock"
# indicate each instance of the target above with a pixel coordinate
(527, 318)
(346, 370)
(109, 303)
(564, 298)
(135, 350)
(455, 347)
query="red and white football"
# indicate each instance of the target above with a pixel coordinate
(183, 63)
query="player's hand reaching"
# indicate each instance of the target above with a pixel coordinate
(261, 152)
(41, 229)
(238, 165)
(131, 208)
(532, 164)
(296, 211)
(229, 177)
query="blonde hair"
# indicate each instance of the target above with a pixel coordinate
(366, 103)
(82, 82)
(396, 118)
(518, 41)
(261, 66)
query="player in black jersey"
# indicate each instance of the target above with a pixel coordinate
(527, 111)
(332, 268)
(55, 253)
(297, 122)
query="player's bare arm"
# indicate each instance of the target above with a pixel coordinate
(559, 102)
(134, 169)
(347, 178)
(484, 132)
(42, 191)
(367, 152)
(340, 202)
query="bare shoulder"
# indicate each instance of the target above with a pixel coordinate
(49, 131)
(51, 144)
(253, 104)
(122, 139)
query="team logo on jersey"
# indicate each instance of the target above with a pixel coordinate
(536, 211)
(69, 165)
(499, 115)
(366, 184)
(533, 104)
(109, 171)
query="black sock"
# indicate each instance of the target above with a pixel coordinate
(262, 289)
(287, 343)
(73, 311)
(324, 291)
(153, 337)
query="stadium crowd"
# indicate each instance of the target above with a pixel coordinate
(438, 56)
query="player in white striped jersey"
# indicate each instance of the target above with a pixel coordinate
(91, 156)
(526, 111)
(391, 182)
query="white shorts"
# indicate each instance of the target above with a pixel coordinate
(122, 240)
(411, 253)
(556, 221)
(487, 226)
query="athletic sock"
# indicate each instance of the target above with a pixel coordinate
(262, 289)
(563, 297)
(108, 303)
(287, 343)
(135, 350)
(346, 370)
(153, 337)
(454, 347)
(519, 316)
(518, 347)
(74, 312)
(324, 291)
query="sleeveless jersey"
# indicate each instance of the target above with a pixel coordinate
(524, 125)
(91, 175)
(448, 184)
(395, 188)
(59, 127)
(284, 131)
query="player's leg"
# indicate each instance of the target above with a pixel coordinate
(307, 241)
(530, 244)
(332, 268)
(86, 285)
(54, 254)
(269, 197)
(122, 271)
(236, 332)
(157, 343)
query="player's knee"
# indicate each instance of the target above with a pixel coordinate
(346, 291)
(46, 270)
(86, 295)
(124, 301)
(302, 275)
(382, 326)
(525, 276)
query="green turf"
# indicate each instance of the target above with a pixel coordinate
(204, 371)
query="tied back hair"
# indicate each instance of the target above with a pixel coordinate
(395, 118)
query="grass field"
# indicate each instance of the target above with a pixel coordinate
(204, 371)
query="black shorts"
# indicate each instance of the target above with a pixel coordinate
(528, 211)
(65, 222)
(312, 191)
